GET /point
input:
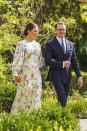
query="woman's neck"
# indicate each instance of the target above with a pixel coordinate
(29, 39)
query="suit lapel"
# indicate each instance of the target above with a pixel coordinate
(57, 45)
(67, 45)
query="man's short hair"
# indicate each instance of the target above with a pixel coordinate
(59, 23)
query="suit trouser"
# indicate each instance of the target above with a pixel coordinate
(61, 90)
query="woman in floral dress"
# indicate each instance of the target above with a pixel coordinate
(26, 63)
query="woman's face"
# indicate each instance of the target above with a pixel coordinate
(33, 33)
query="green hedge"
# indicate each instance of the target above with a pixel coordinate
(7, 94)
(51, 115)
(8, 90)
(78, 105)
(74, 84)
(49, 118)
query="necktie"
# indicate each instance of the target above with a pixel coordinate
(62, 44)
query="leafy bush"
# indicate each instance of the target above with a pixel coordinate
(77, 100)
(82, 54)
(7, 94)
(78, 105)
(49, 117)
(7, 88)
(74, 84)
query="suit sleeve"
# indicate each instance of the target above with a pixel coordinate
(48, 58)
(75, 63)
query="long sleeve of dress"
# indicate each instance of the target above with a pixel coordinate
(18, 59)
(41, 60)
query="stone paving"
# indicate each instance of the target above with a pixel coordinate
(83, 124)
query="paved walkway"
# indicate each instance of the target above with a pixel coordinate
(83, 124)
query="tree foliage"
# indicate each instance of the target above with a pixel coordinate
(15, 14)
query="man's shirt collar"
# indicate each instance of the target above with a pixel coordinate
(59, 39)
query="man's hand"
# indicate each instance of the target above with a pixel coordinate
(67, 64)
(53, 59)
(17, 79)
(80, 82)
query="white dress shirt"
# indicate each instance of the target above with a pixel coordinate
(60, 41)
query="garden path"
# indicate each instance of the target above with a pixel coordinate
(83, 124)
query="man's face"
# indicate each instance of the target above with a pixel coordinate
(61, 31)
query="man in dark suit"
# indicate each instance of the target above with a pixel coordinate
(60, 56)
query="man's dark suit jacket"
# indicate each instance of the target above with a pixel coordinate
(55, 51)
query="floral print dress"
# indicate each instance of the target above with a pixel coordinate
(26, 63)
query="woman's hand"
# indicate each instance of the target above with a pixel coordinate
(17, 79)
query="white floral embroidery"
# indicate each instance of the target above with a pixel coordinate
(26, 63)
